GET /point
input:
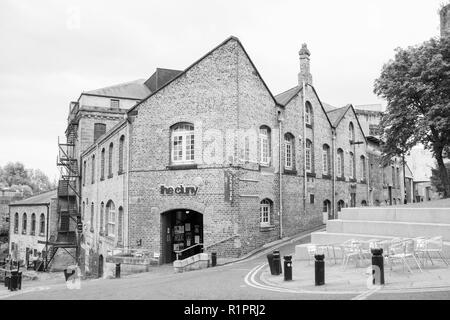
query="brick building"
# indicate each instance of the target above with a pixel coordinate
(210, 157)
(6, 197)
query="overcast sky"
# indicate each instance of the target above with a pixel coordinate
(51, 51)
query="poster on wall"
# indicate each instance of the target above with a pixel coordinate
(197, 239)
(187, 227)
(197, 229)
(178, 229)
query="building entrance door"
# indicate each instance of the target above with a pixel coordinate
(181, 229)
(390, 195)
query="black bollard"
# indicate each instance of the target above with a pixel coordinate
(270, 261)
(287, 268)
(68, 275)
(319, 269)
(213, 259)
(277, 262)
(377, 265)
(117, 270)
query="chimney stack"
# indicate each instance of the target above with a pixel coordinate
(305, 74)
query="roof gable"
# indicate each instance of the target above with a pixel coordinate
(338, 114)
(201, 59)
(132, 90)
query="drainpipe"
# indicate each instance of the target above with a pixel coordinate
(333, 196)
(127, 186)
(405, 200)
(304, 149)
(280, 120)
(46, 237)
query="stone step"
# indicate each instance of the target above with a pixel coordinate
(424, 215)
(198, 261)
(301, 252)
(390, 228)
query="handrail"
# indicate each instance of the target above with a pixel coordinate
(220, 241)
(188, 248)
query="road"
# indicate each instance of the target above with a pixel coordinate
(228, 282)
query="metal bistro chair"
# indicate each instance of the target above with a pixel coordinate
(433, 245)
(351, 249)
(402, 251)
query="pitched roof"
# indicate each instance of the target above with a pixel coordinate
(201, 59)
(37, 199)
(284, 97)
(133, 89)
(336, 115)
(328, 107)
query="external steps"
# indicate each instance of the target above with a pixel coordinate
(383, 224)
(195, 262)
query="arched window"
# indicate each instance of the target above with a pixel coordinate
(340, 205)
(265, 212)
(110, 160)
(309, 156)
(93, 169)
(33, 224)
(120, 227)
(102, 165)
(351, 132)
(364, 203)
(42, 224)
(326, 159)
(265, 145)
(102, 214)
(363, 168)
(92, 217)
(121, 154)
(16, 223)
(183, 142)
(340, 163)
(327, 209)
(352, 165)
(289, 158)
(24, 223)
(110, 219)
(309, 114)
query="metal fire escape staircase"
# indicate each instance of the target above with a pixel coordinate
(68, 194)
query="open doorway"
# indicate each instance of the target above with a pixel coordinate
(181, 229)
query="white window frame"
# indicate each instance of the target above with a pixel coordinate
(111, 221)
(183, 134)
(339, 157)
(325, 160)
(308, 152)
(264, 142)
(363, 168)
(115, 103)
(308, 114)
(265, 211)
(288, 153)
(352, 165)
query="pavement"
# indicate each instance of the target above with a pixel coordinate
(358, 280)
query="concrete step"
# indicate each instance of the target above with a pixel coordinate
(390, 228)
(318, 238)
(424, 215)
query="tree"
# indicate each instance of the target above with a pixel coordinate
(416, 85)
(15, 174)
(39, 181)
(436, 180)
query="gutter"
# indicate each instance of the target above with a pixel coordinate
(304, 150)
(333, 196)
(280, 173)
(46, 236)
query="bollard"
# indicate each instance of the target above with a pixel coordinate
(19, 281)
(117, 270)
(213, 259)
(68, 275)
(377, 263)
(287, 268)
(320, 269)
(270, 261)
(14, 280)
(277, 262)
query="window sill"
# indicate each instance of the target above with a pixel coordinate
(120, 172)
(182, 166)
(110, 176)
(326, 176)
(24, 232)
(41, 234)
(102, 179)
(310, 174)
(290, 172)
(266, 228)
(340, 178)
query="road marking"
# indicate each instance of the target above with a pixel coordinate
(366, 294)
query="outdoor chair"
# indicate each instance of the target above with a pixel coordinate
(401, 251)
(433, 245)
(312, 251)
(351, 249)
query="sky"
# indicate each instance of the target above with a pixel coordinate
(52, 50)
